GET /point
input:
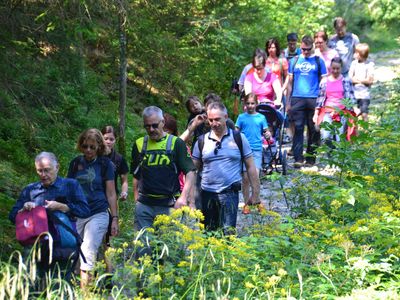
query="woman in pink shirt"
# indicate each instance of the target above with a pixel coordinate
(265, 85)
(322, 50)
(333, 89)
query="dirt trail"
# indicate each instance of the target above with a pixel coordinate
(387, 68)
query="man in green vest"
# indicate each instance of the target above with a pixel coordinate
(157, 161)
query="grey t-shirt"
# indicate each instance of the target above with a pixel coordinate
(345, 47)
(221, 164)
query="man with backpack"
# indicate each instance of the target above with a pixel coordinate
(64, 201)
(157, 160)
(220, 154)
(305, 72)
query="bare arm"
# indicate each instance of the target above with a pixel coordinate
(188, 133)
(276, 85)
(186, 197)
(124, 187)
(135, 189)
(112, 201)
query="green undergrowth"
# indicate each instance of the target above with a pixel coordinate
(342, 241)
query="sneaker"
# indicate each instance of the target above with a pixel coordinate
(298, 164)
(261, 208)
(246, 209)
(310, 162)
(290, 152)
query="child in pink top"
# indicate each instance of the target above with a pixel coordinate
(334, 92)
(333, 89)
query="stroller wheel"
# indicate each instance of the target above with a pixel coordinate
(284, 162)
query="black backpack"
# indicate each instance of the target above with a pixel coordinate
(236, 136)
(168, 151)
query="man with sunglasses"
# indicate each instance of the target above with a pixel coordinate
(221, 158)
(157, 160)
(305, 72)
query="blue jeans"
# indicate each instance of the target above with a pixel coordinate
(220, 210)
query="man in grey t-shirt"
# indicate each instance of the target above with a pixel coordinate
(344, 43)
(221, 161)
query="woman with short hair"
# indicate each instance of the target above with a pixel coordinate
(95, 173)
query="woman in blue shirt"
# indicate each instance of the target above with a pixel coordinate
(95, 173)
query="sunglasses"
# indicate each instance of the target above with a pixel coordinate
(217, 147)
(154, 125)
(91, 147)
(306, 49)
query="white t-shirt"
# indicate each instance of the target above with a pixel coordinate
(361, 71)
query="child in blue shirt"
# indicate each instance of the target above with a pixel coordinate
(253, 125)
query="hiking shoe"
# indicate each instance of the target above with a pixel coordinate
(310, 162)
(261, 208)
(298, 164)
(246, 209)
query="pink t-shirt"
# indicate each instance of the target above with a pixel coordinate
(334, 93)
(327, 56)
(263, 89)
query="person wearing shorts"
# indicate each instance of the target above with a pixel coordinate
(362, 75)
(252, 124)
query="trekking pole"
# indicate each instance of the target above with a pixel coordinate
(284, 194)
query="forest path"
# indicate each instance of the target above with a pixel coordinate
(387, 68)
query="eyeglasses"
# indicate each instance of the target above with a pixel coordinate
(154, 125)
(91, 147)
(44, 171)
(306, 49)
(217, 147)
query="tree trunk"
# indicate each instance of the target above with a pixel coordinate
(122, 76)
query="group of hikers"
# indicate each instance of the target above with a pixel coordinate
(203, 167)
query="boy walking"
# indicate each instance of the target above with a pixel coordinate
(253, 125)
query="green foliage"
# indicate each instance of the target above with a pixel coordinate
(59, 63)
